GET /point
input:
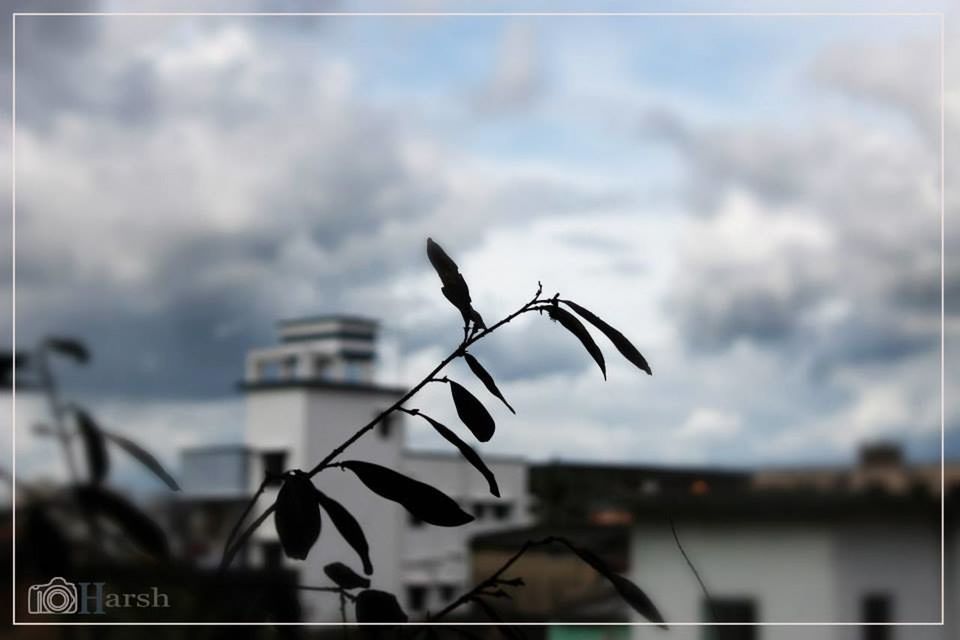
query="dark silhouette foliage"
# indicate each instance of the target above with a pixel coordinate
(423, 501)
(345, 577)
(52, 537)
(348, 527)
(379, 606)
(298, 515)
(485, 378)
(100, 502)
(472, 412)
(94, 445)
(574, 326)
(624, 346)
(420, 499)
(465, 450)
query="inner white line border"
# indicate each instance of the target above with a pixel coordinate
(425, 14)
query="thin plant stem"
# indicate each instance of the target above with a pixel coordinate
(693, 569)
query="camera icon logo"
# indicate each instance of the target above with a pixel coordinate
(56, 596)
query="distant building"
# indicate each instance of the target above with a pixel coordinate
(304, 397)
(798, 557)
(831, 545)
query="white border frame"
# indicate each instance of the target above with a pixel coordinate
(662, 14)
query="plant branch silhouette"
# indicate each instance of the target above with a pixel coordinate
(229, 550)
(298, 504)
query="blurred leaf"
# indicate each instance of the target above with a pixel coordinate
(485, 378)
(297, 517)
(10, 361)
(466, 451)
(421, 500)
(454, 287)
(472, 412)
(574, 326)
(70, 347)
(349, 528)
(94, 445)
(142, 530)
(624, 346)
(345, 577)
(47, 546)
(378, 606)
(143, 457)
(631, 593)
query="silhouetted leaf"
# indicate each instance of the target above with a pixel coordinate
(631, 593)
(485, 378)
(298, 515)
(624, 346)
(477, 319)
(70, 347)
(574, 326)
(143, 457)
(47, 547)
(466, 451)
(378, 606)
(421, 500)
(93, 445)
(349, 528)
(472, 412)
(345, 577)
(143, 531)
(454, 287)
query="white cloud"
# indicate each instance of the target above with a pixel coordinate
(710, 423)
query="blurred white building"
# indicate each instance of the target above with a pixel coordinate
(306, 396)
(796, 557)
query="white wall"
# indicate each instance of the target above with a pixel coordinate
(785, 568)
(795, 572)
(316, 421)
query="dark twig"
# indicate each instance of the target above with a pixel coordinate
(246, 512)
(492, 580)
(693, 569)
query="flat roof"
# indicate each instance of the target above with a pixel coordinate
(319, 385)
(788, 505)
(328, 317)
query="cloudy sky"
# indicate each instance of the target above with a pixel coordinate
(754, 201)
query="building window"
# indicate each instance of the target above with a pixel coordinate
(416, 597)
(730, 610)
(272, 555)
(353, 372)
(274, 462)
(876, 607)
(502, 511)
(479, 509)
(448, 592)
